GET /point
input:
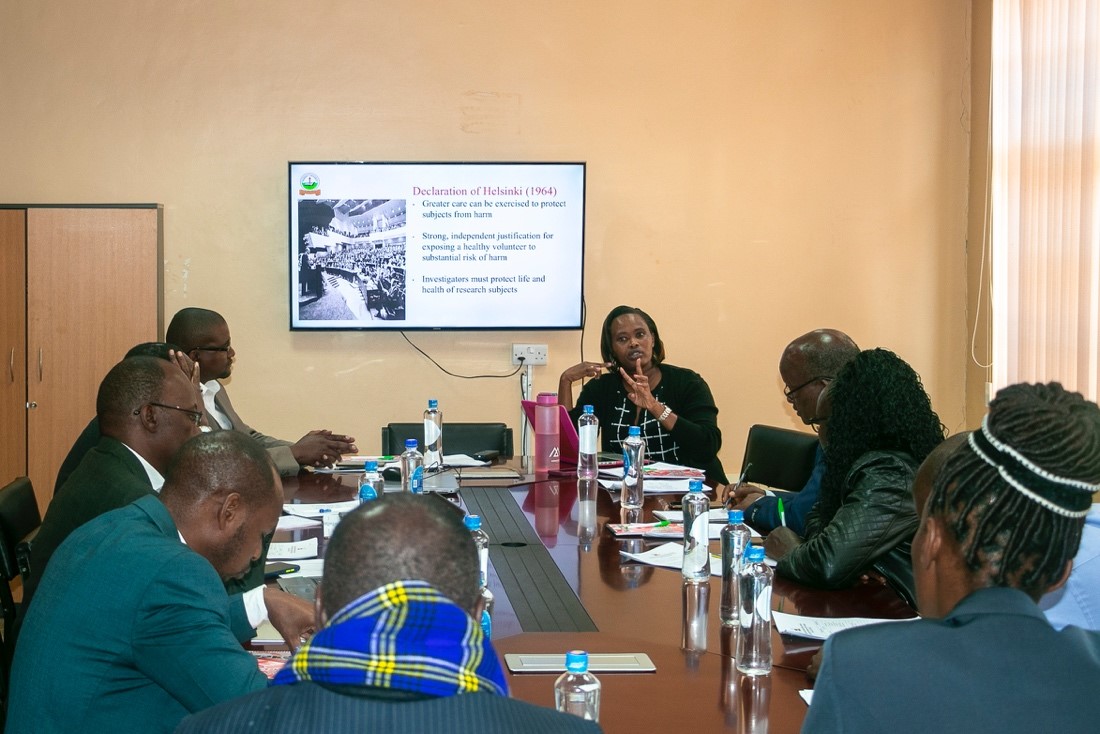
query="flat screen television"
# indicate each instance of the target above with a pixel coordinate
(431, 246)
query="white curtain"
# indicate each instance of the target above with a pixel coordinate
(1045, 193)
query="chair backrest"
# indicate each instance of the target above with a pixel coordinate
(780, 457)
(458, 438)
(19, 518)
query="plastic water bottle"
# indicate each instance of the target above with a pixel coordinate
(754, 644)
(696, 565)
(371, 483)
(481, 540)
(547, 435)
(736, 538)
(433, 436)
(412, 468)
(577, 691)
(588, 426)
(633, 461)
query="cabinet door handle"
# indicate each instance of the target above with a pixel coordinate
(40, 364)
(32, 405)
(11, 364)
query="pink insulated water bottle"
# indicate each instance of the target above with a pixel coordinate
(547, 437)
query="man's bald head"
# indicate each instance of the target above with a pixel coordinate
(397, 538)
(809, 362)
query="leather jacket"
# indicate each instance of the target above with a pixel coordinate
(873, 529)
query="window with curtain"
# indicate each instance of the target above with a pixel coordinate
(1044, 219)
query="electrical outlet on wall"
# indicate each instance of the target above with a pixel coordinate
(529, 354)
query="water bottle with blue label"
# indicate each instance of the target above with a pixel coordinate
(412, 468)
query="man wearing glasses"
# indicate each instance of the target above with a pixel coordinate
(204, 335)
(807, 365)
(146, 409)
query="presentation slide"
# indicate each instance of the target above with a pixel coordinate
(406, 246)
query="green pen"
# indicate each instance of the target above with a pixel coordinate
(782, 514)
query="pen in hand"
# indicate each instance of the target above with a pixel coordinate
(740, 481)
(782, 514)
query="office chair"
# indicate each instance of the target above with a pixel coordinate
(19, 519)
(780, 458)
(458, 438)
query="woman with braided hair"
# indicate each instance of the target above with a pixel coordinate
(877, 425)
(1000, 528)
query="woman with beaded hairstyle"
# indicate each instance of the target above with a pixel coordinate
(877, 425)
(1000, 527)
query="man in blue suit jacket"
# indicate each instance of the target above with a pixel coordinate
(1000, 528)
(130, 628)
(399, 647)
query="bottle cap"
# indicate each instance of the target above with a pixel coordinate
(576, 661)
(433, 403)
(736, 516)
(588, 410)
(634, 431)
(371, 465)
(547, 398)
(411, 443)
(473, 522)
(755, 554)
(696, 485)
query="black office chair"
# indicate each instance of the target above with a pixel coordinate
(19, 520)
(458, 438)
(780, 458)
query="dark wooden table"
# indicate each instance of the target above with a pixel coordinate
(637, 608)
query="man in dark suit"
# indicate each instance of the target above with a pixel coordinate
(130, 630)
(999, 529)
(433, 671)
(204, 336)
(146, 408)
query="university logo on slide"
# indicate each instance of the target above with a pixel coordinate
(311, 185)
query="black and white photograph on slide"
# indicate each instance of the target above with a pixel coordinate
(351, 260)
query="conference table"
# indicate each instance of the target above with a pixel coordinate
(560, 583)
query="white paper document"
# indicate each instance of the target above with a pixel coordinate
(293, 551)
(671, 555)
(719, 515)
(314, 567)
(316, 510)
(462, 460)
(819, 628)
(649, 486)
(296, 522)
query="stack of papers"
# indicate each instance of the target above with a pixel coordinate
(302, 509)
(820, 628)
(671, 555)
(657, 530)
(658, 478)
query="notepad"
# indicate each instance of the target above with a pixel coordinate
(820, 628)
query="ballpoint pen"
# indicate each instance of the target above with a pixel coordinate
(782, 514)
(740, 481)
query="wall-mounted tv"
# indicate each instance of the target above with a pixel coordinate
(407, 246)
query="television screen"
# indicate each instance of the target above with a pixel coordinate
(405, 246)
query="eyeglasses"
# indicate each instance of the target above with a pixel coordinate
(211, 349)
(818, 423)
(194, 415)
(789, 392)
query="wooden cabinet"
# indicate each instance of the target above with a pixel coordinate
(93, 288)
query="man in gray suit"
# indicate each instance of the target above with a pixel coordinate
(204, 336)
(999, 529)
(399, 647)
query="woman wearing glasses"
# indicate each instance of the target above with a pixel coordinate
(876, 423)
(672, 405)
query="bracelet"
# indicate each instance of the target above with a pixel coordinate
(664, 414)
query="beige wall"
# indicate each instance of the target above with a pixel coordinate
(756, 168)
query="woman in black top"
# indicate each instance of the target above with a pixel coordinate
(672, 405)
